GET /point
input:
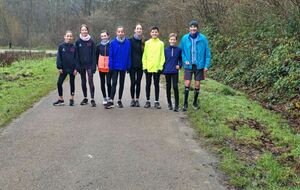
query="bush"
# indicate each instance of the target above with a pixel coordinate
(265, 63)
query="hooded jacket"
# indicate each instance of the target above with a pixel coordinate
(66, 58)
(202, 51)
(154, 55)
(119, 55)
(86, 54)
(137, 50)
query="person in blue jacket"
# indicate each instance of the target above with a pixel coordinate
(119, 63)
(66, 64)
(85, 48)
(172, 65)
(196, 61)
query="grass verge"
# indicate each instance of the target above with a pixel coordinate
(258, 149)
(24, 83)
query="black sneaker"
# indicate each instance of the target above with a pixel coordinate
(147, 105)
(59, 103)
(119, 104)
(170, 107)
(132, 104)
(185, 107)
(84, 101)
(156, 105)
(137, 103)
(93, 103)
(196, 106)
(176, 109)
(71, 102)
(109, 105)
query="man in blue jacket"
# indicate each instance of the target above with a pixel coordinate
(196, 61)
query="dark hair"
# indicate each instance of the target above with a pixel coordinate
(173, 35)
(137, 25)
(84, 25)
(193, 23)
(154, 28)
(104, 31)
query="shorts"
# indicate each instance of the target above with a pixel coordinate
(198, 73)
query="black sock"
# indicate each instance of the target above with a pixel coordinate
(186, 95)
(197, 91)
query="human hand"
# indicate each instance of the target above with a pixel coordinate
(60, 71)
(75, 72)
(177, 67)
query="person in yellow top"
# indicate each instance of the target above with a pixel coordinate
(153, 62)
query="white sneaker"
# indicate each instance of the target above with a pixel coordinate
(104, 101)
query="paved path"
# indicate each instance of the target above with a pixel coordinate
(81, 147)
(47, 52)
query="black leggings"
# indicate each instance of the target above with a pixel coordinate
(108, 83)
(156, 77)
(114, 77)
(135, 82)
(172, 78)
(61, 80)
(91, 82)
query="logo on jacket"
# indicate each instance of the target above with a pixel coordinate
(80, 45)
(63, 50)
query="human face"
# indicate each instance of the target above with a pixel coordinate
(172, 41)
(154, 34)
(84, 31)
(193, 29)
(120, 33)
(68, 37)
(104, 36)
(138, 30)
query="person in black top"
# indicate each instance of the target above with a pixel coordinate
(136, 69)
(85, 49)
(102, 53)
(66, 64)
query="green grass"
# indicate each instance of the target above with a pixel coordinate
(24, 83)
(258, 149)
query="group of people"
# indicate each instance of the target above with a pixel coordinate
(113, 58)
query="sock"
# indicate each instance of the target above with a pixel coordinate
(197, 91)
(186, 95)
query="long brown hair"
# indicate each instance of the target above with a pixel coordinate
(143, 38)
(84, 25)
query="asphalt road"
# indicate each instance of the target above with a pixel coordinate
(89, 148)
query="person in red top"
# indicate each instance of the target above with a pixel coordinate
(102, 53)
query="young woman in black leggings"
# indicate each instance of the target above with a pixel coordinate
(66, 64)
(102, 53)
(119, 62)
(85, 48)
(136, 70)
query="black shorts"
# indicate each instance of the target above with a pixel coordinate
(198, 73)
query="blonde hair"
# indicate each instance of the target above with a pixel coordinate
(68, 31)
(173, 35)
